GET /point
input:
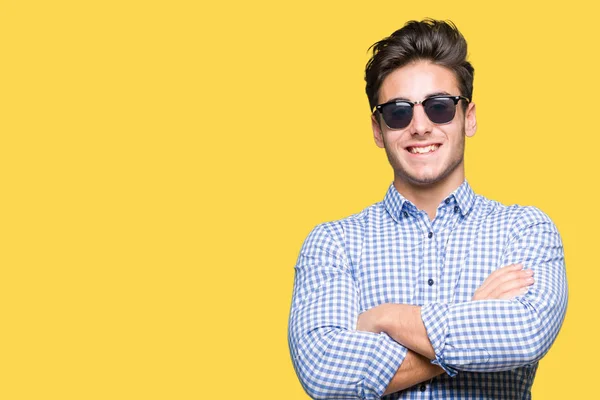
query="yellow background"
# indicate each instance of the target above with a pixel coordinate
(161, 163)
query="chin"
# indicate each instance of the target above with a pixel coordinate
(426, 178)
(423, 178)
(424, 181)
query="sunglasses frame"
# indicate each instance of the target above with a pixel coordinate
(412, 105)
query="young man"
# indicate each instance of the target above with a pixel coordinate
(435, 292)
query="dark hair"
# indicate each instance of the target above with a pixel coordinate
(437, 41)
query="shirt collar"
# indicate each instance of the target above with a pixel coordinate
(398, 206)
(465, 197)
(394, 202)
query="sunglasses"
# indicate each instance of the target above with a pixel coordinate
(397, 114)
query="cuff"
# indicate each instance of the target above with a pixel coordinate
(435, 319)
(385, 361)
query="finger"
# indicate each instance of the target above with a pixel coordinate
(508, 277)
(497, 273)
(514, 282)
(514, 293)
(504, 280)
(511, 285)
(499, 277)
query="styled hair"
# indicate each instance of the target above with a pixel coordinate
(439, 42)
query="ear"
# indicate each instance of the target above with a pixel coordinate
(470, 121)
(377, 133)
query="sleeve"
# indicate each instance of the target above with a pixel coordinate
(332, 359)
(496, 335)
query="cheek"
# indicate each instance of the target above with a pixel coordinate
(458, 146)
(393, 139)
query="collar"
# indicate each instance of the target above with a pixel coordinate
(465, 197)
(399, 207)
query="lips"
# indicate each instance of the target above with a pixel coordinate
(423, 149)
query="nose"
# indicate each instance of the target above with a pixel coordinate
(421, 124)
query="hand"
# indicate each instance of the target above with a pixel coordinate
(505, 283)
(372, 319)
(401, 322)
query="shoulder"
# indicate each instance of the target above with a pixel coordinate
(353, 223)
(349, 229)
(339, 239)
(514, 217)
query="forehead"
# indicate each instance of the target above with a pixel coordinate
(417, 80)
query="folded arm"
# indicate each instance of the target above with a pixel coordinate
(332, 359)
(495, 333)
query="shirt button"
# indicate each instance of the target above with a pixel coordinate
(447, 201)
(456, 209)
(405, 214)
(430, 235)
(430, 282)
(423, 388)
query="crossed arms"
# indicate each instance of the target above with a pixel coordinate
(340, 353)
(404, 324)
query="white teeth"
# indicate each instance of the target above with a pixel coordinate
(423, 150)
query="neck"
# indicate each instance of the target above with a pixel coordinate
(429, 197)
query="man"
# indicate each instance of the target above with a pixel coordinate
(435, 292)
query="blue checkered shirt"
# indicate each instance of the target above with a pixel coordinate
(392, 253)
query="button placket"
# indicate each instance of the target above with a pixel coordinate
(429, 263)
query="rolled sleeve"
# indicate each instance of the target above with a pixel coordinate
(435, 319)
(331, 358)
(495, 335)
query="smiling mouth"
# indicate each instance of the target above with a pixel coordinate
(423, 150)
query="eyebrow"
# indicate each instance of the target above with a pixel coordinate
(426, 96)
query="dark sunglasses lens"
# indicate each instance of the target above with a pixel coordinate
(398, 115)
(440, 111)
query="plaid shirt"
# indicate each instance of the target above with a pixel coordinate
(392, 253)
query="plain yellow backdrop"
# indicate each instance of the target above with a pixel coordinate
(161, 163)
